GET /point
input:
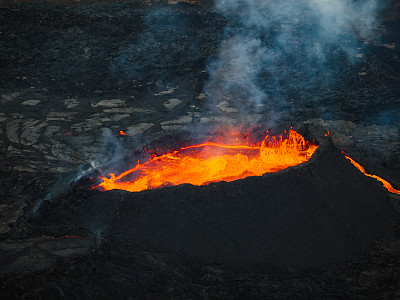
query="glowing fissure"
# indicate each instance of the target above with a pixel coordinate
(386, 184)
(212, 162)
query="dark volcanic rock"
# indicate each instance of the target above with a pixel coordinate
(72, 77)
(309, 216)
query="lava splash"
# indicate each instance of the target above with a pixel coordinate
(212, 162)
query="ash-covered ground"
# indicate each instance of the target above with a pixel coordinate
(72, 76)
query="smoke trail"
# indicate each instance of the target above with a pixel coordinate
(110, 154)
(275, 49)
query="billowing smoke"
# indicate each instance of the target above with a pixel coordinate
(275, 50)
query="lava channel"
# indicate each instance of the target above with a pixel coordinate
(385, 183)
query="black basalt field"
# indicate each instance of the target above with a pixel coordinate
(309, 216)
(73, 75)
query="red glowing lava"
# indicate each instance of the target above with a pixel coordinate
(386, 184)
(212, 162)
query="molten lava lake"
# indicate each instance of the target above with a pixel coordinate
(212, 162)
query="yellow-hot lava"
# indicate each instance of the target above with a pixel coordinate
(211, 162)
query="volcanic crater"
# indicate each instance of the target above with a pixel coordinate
(311, 215)
(86, 87)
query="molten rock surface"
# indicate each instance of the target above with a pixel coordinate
(309, 216)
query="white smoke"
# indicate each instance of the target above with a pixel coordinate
(273, 48)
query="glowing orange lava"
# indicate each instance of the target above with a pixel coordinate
(386, 184)
(211, 162)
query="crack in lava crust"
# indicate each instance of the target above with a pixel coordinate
(212, 162)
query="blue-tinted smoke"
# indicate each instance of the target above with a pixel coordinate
(274, 49)
(154, 46)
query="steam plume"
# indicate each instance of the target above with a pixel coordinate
(276, 48)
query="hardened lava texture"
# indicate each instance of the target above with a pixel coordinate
(310, 216)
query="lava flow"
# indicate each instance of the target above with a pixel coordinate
(386, 184)
(211, 162)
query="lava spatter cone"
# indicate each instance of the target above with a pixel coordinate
(311, 215)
